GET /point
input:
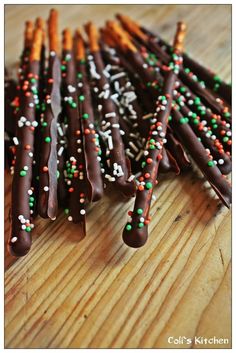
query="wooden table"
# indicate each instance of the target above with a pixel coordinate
(97, 292)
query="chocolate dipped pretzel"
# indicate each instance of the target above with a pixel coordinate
(152, 43)
(119, 164)
(135, 233)
(91, 146)
(47, 203)
(22, 193)
(75, 172)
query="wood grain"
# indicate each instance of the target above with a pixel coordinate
(95, 292)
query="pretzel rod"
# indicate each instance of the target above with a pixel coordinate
(212, 80)
(48, 203)
(135, 233)
(185, 75)
(119, 163)
(75, 172)
(220, 127)
(22, 193)
(53, 31)
(28, 34)
(205, 133)
(91, 146)
(202, 158)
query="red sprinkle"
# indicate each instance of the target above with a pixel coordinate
(149, 160)
(71, 189)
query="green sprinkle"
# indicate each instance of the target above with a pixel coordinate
(58, 174)
(227, 115)
(33, 80)
(152, 141)
(85, 116)
(210, 163)
(66, 210)
(63, 68)
(139, 211)
(79, 75)
(81, 98)
(213, 121)
(225, 139)
(216, 78)
(170, 118)
(152, 147)
(148, 185)
(187, 70)
(47, 139)
(194, 115)
(182, 89)
(182, 121)
(28, 229)
(44, 124)
(23, 173)
(197, 100)
(140, 225)
(215, 126)
(195, 121)
(31, 199)
(128, 227)
(31, 204)
(143, 164)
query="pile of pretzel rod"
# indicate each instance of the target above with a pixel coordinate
(116, 106)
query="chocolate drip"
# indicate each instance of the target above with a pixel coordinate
(48, 204)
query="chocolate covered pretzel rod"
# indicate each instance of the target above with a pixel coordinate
(47, 203)
(75, 172)
(92, 151)
(202, 157)
(186, 76)
(204, 74)
(118, 162)
(135, 233)
(22, 193)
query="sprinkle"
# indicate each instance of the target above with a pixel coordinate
(148, 185)
(13, 240)
(82, 212)
(46, 188)
(139, 211)
(70, 219)
(47, 139)
(210, 163)
(128, 227)
(23, 173)
(15, 140)
(220, 161)
(141, 225)
(85, 116)
(81, 98)
(110, 115)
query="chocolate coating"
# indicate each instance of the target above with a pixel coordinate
(20, 239)
(93, 168)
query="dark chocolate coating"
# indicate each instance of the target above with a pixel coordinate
(73, 134)
(200, 156)
(47, 203)
(175, 147)
(93, 168)
(137, 237)
(204, 74)
(209, 143)
(117, 153)
(21, 184)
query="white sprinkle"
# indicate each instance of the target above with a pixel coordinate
(131, 177)
(110, 142)
(71, 88)
(147, 116)
(25, 167)
(31, 154)
(133, 146)
(119, 75)
(70, 219)
(221, 161)
(13, 240)
(46, 188)
(116, 125)
(34, 123)
(31, 105)
(110, 115)
(52, 53)
(82, 212)
(15, 140)
(30, 192)
(60, 151)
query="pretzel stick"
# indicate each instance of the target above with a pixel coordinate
(91, 145)
(75, 173)
(48, 204)
(119, 164)
(135, 233)
(211, 79)
(22, 193)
